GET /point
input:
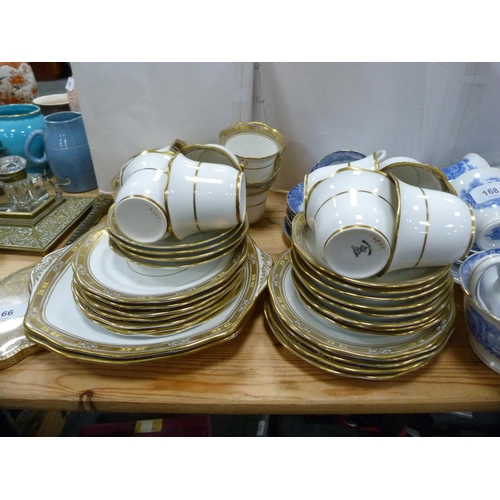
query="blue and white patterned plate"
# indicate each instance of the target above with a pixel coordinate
(338, 157)
(295, 198)
(287, 230)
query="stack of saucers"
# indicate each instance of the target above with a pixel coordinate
(373, 328)
(195, 249)
(91, 303)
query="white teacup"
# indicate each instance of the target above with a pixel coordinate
(204, 196)
(480, 188)
(256, 145)
(370, 162)
(347, 179)
(396, 159)
(420, 174)
(211, 153)
(256, 204)
(354, 231)
(140, 210)
(145, 159)
(433, 228)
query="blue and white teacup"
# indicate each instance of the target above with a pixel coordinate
(471, 161)
(479, 185)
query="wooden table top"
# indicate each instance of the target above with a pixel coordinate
(251, 373)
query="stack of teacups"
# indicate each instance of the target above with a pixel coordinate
(166, 193)
(258, 147)
(368, 222)
(477, 183)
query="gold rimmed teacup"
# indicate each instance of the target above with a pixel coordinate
(211, 153)
(421, 175)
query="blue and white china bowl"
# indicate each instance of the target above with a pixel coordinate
(484, 328)
(342, 156)
(480, 188)
(295, 198)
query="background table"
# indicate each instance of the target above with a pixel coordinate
(250, 374)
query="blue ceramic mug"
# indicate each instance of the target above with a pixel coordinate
(67, 151)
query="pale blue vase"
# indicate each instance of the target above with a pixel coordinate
(67, 151)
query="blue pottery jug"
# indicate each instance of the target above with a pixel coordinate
(67, 151)
(17, 122)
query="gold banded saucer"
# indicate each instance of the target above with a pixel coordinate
(195, 244)
(315, 329)
(343, 366)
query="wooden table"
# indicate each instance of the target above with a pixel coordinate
(251, 374)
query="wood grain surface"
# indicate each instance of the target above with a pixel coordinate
(251, 373)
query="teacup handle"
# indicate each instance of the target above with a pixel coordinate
(27, 147)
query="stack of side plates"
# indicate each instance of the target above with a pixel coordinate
(376, 328)
(130, 299)
(90, 303)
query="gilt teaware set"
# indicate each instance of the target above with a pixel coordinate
(365, 289)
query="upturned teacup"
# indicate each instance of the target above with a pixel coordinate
(145, 159)
(420, 175)
(203, 196)
(480, 188)
(140, 210)
(433, 228)
(352, 214)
